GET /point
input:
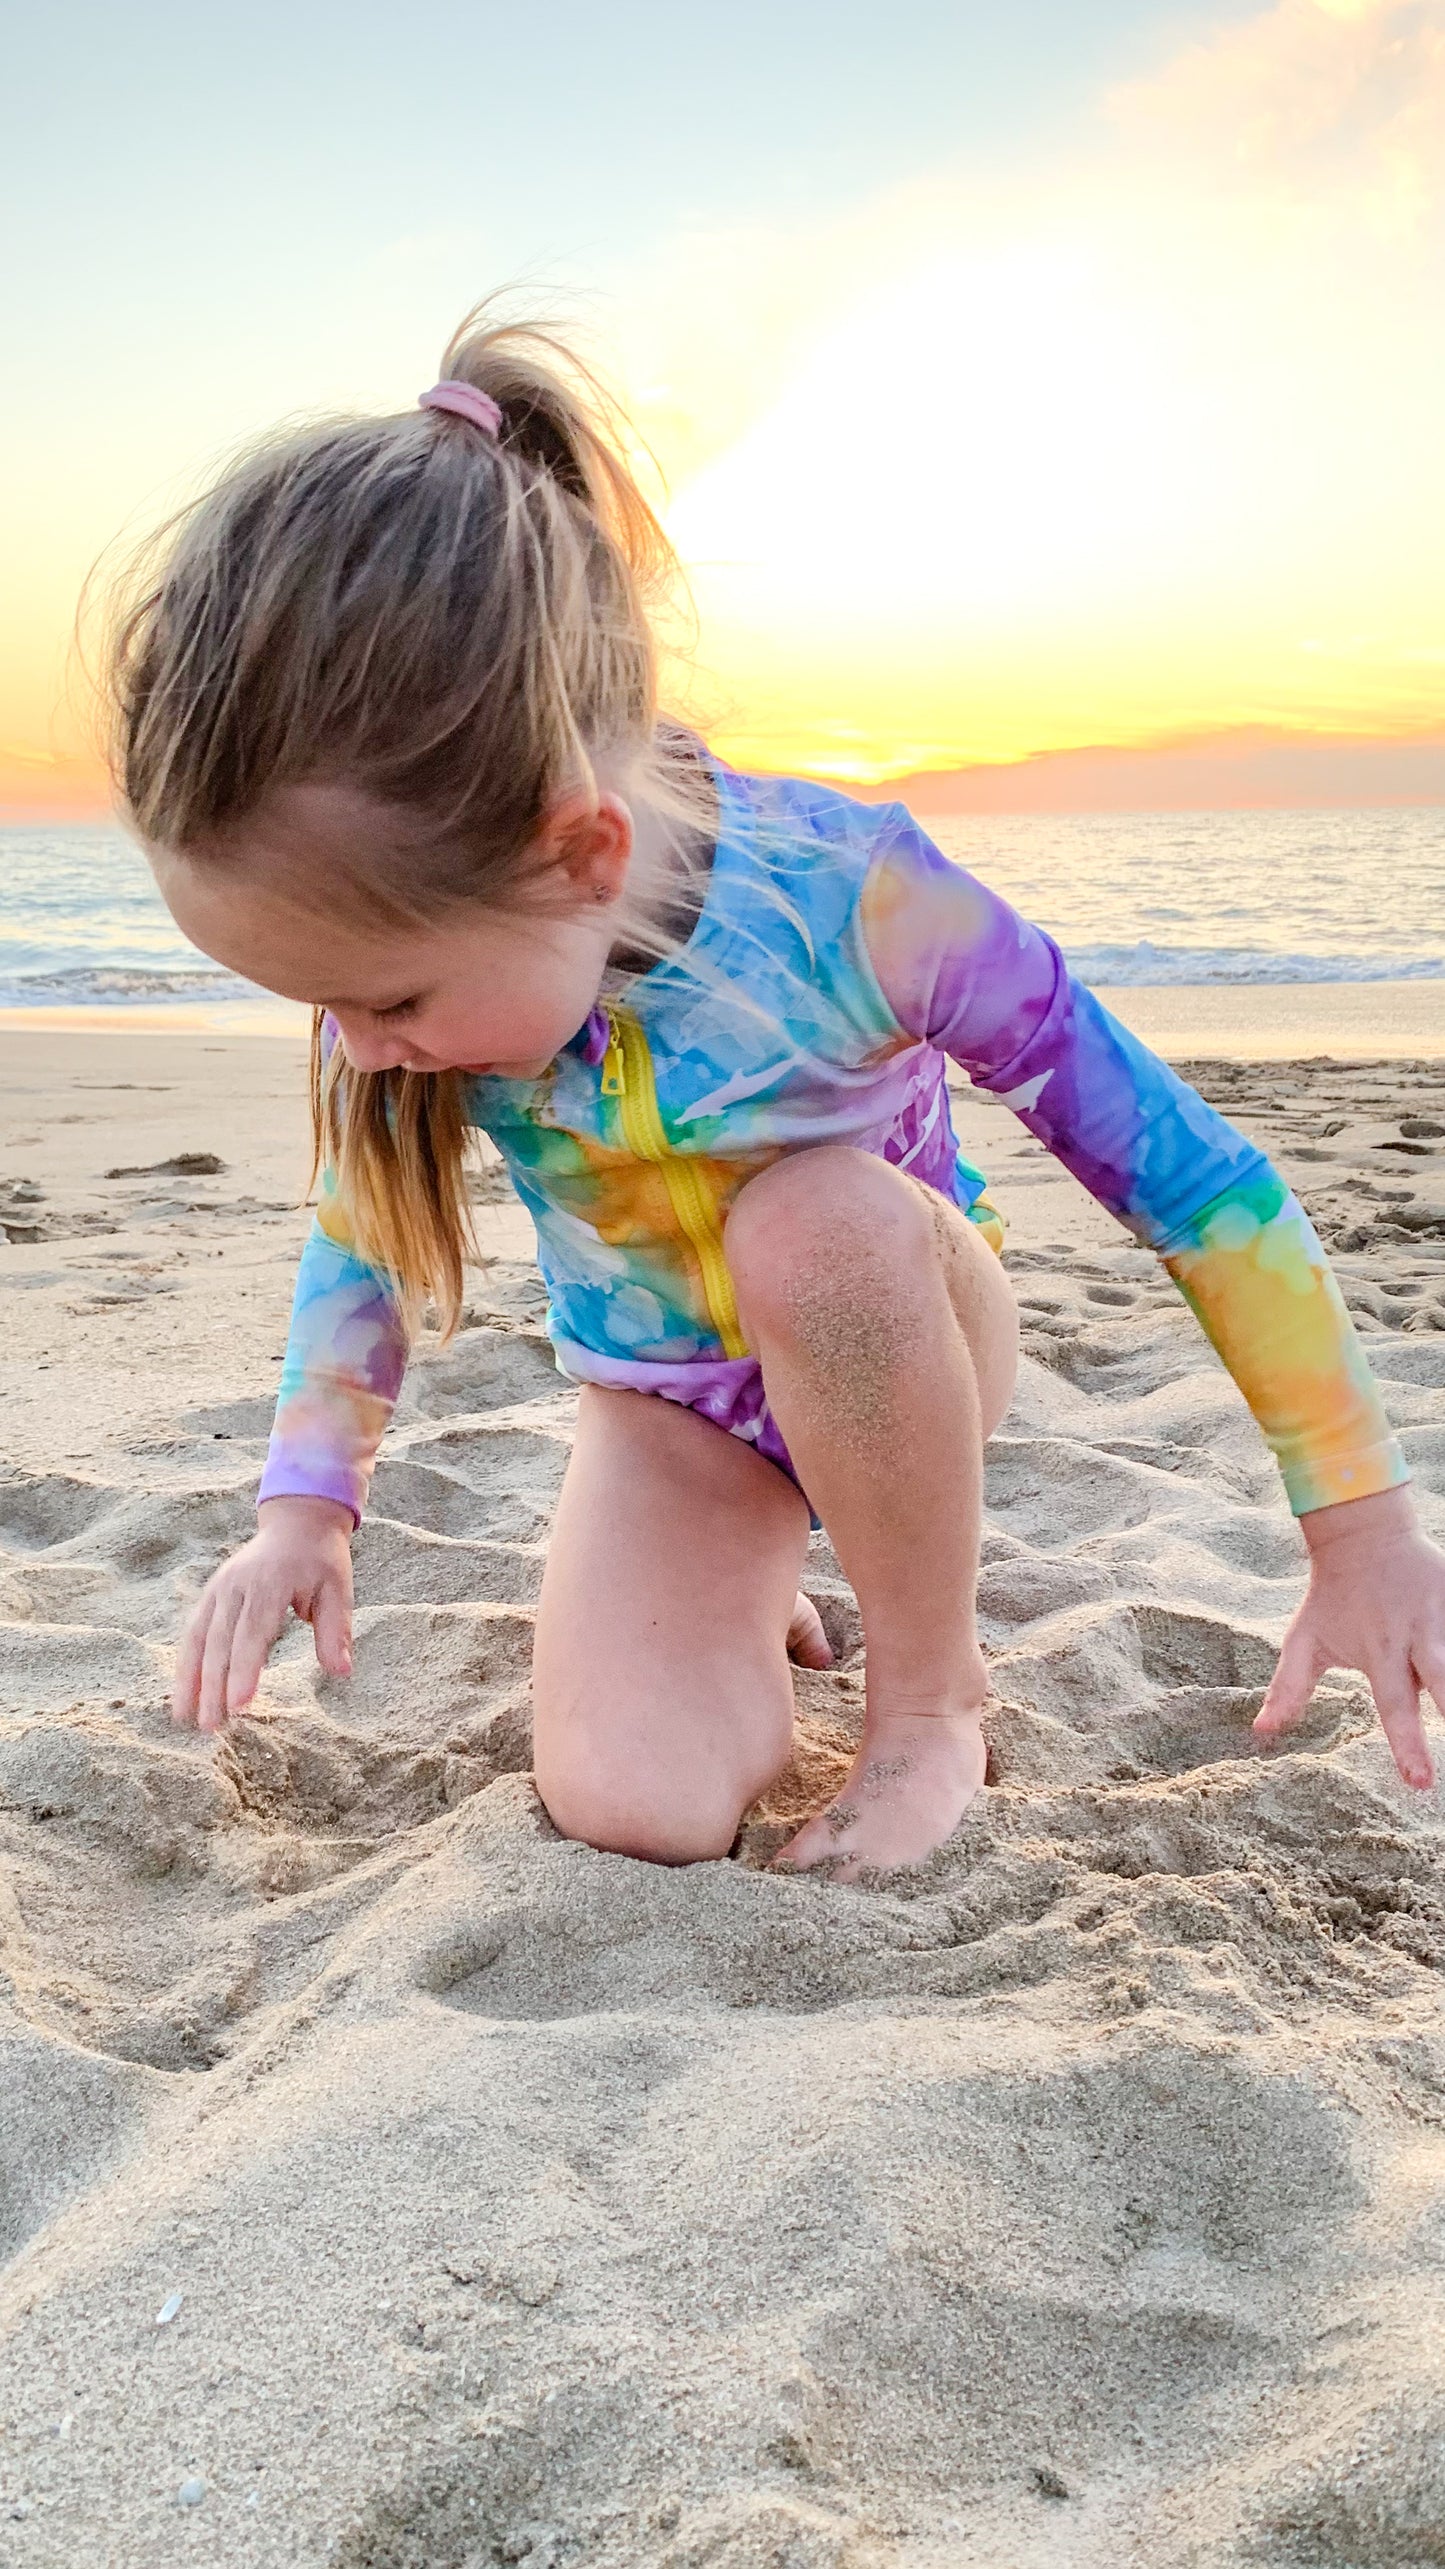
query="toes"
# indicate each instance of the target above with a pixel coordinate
(795, 1857)
(807, 1641)
(819, 1841)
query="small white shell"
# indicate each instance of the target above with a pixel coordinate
(169, 2309)
(190, 2493)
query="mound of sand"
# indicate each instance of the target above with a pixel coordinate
(386, 2183)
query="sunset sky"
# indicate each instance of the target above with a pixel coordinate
(1026, 379)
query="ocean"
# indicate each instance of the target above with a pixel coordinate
(1135, 899)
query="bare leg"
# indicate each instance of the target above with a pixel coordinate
(663, 1703)
(888, 1340)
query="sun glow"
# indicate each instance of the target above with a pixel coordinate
(1141, 447)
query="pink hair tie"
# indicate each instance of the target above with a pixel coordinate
(465, 402)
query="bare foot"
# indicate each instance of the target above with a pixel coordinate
(807, 1641)
(909, 1786)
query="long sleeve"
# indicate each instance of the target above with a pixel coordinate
(343, 1369)
(961, 969)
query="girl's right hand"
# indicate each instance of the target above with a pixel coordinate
(300, 1560)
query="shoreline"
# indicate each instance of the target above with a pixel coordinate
(1286, 1020)
(1187, 1021)
(222, 1017)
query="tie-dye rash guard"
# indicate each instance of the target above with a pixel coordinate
(839, 959)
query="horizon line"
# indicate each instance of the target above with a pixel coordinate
(1246, 767)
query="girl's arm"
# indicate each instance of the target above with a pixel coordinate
(342, 1372)
(959, 967)
(343, 1369)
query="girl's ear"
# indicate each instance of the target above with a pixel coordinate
(589, 842)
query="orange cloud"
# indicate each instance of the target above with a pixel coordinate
(1312, 90)
(45, 785)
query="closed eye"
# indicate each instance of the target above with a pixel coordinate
(398, 1009)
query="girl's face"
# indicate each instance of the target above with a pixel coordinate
(486, 990)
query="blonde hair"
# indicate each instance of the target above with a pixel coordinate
(457, 628)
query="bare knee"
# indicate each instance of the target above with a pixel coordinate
(826, 1244)
(819, 1228)
(618, 1823)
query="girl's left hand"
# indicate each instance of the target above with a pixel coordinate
(1376, 1602)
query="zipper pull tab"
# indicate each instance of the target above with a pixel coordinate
(612, 1060)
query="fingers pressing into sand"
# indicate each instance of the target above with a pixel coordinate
(1376, 1602)
(216, 1657)
(329, 1616)
(1430, 1669)
(186, 1679)
(1296, 1675)
(1394, 1684)
(1397, 1700)
(299, 1562)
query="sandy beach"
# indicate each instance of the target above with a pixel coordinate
(385, 2183)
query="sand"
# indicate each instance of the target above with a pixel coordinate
(1275, 1021)
(1079, 2199)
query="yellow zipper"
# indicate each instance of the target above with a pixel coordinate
(628, 1075)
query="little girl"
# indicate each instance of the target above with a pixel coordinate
(390, 734)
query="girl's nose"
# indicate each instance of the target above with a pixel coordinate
(374, 1051)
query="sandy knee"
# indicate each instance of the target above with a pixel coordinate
(823, 1230)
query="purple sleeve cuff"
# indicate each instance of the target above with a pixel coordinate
(281, 1480)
